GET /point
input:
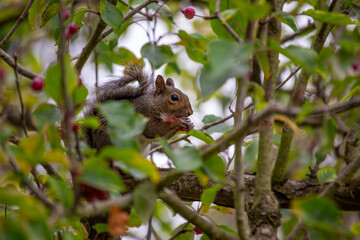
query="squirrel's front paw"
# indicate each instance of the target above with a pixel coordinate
(186, 124)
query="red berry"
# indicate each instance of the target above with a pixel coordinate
(75, 127)
(73, 28)
(189, 12)
(37, 83)
(66, 14)
(197, 230)
(356, 65)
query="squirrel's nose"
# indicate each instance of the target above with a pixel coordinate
(190, 112)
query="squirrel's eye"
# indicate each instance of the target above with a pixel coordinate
(174, 97)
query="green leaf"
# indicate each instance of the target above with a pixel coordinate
(253, 11)
(53, 86)
(46, 114)
(101, 227)
(35, 12)
(123, 123)
(112, 16)
(200, 135)
(195, 45)
(32, 149)
(214, 167)
(157, 55)
(79, 95)
(221, 127)
(329, 17)
(134, 219)
(101, 178)
(237, 22)
(321, 154)
(131, 161)
(79, 16)
(90, 122)
(326, 175)
(208, 196)
(51, 10)
(122, 56)
(145, 200)
(317, 210)
(186, 159)
(305, 57)
(227, 59)
(64, 192)
(286, 19)
(53, 136)
(355, 229)
(171, 68)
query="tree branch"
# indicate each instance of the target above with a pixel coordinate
(23, 71)
(329, 191)
(298, 98)
(253, 121)
(173, 201)
(20, 19)
(98, 35)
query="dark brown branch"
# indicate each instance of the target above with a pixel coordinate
(23, 120)
(20, 19)
(23, 71)
(188, 188)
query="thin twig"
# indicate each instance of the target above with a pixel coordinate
(225, 24)
(173, 201)
(304, 30)
(128, 16)
(20, 19)
(180, 231)
(288, 78)
(252, 121)
(39, 194)
(20, 96)
(148, 235)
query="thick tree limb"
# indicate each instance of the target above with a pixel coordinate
(188, 188)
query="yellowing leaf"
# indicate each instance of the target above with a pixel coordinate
(57, 156)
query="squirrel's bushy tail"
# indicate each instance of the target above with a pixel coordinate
(117, 89)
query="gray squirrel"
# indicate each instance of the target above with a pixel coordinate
(166, 107)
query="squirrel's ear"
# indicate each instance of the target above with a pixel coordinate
(170, 82)
(160, 84)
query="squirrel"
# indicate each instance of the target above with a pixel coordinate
(166, 107)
